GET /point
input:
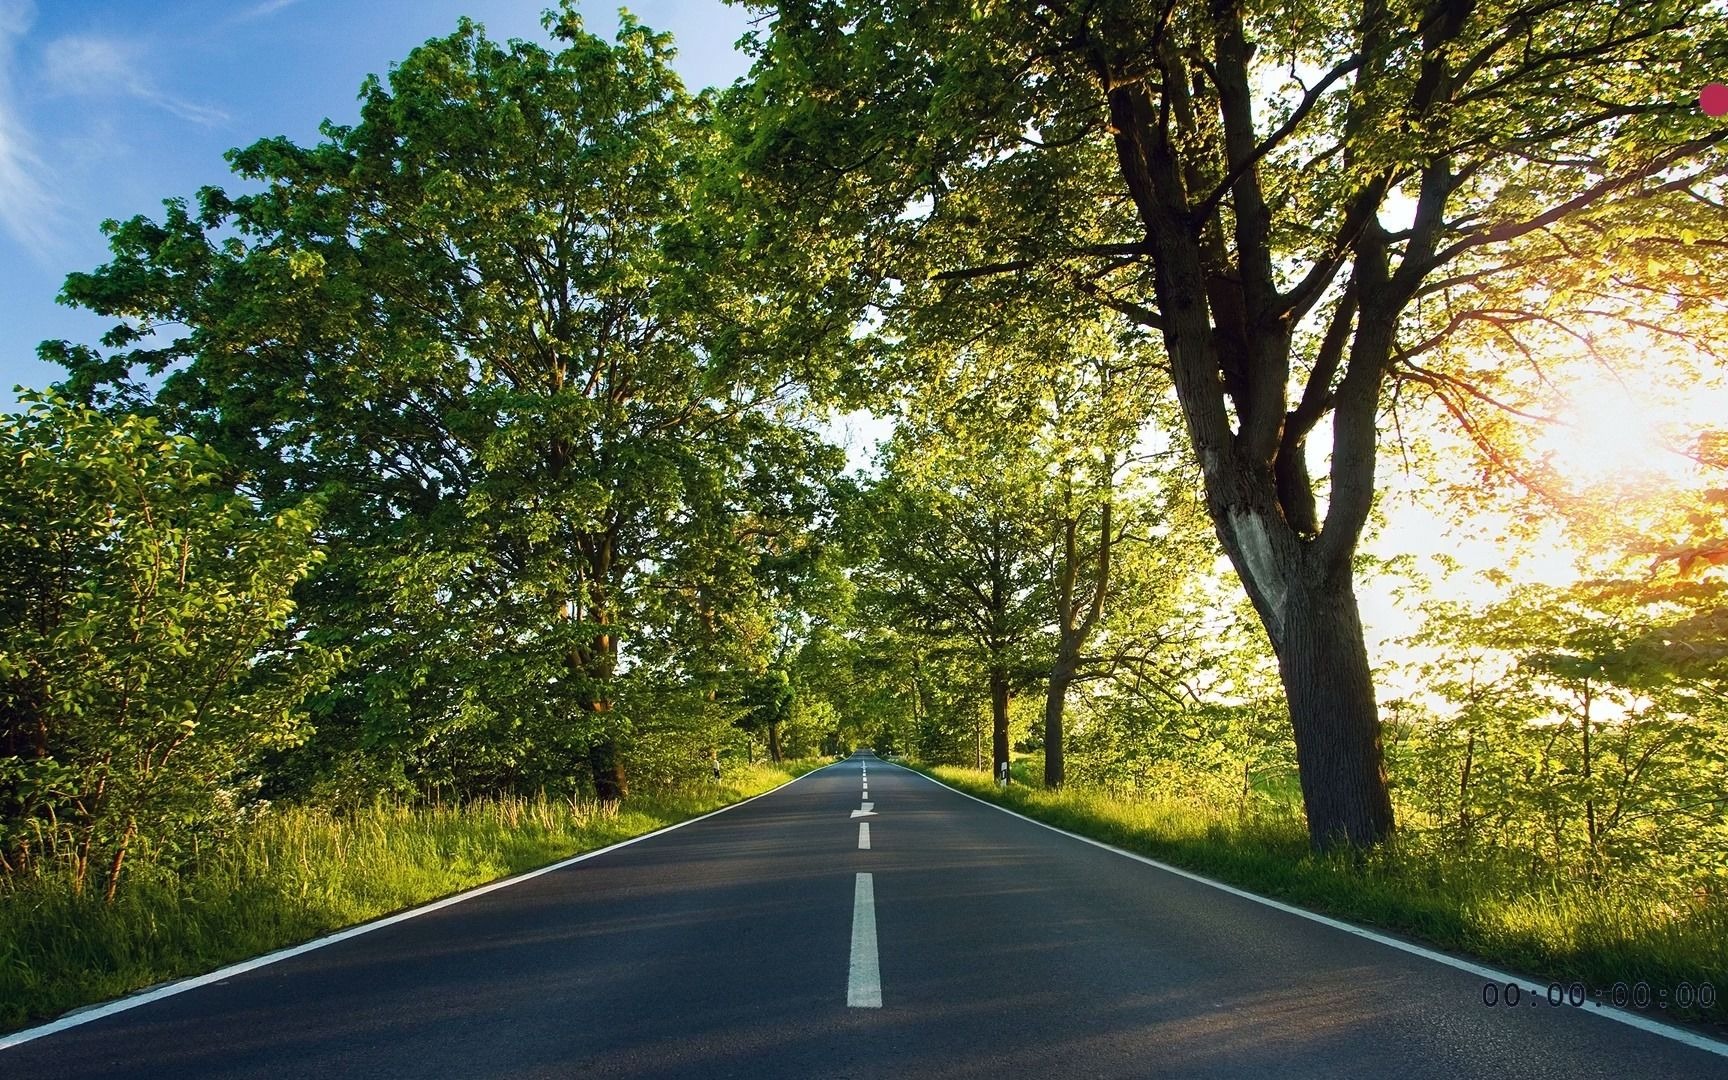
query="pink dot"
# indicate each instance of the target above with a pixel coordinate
(1713, 99)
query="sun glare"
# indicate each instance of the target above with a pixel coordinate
(1610, 434)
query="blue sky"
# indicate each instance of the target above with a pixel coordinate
(107, 107)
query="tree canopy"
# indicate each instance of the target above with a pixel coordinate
(486, 444)
(1311, 207)
(486, 325)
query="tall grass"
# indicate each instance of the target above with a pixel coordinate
(298, 873)
(1552, 928)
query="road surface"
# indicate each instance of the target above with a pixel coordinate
(820, 931)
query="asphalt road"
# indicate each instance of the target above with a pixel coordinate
(737, 946)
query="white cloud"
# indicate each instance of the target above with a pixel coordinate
(95, 66)
(28, 210)
(268, 7)
(16, 17)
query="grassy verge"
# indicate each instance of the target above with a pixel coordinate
(1553, 930)
(301, 873)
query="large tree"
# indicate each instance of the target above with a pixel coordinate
(960, 552)
(1308, 203)
(1100, 501)
(1068, 392)
(487, 324)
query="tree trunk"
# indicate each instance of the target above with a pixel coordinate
(1464, 790)
(1076, 626)
(998, 720)
(119, 862)
(1589, 795)
(1226, 334)
(917, 694)
(597, 664)
(604, 762)
(605, 754)
(1055, 700)
(1323, 663)
(774, 743)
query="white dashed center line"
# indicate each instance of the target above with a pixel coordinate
(863, 836)
(864, 976)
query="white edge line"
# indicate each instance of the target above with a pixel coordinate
(1632, 1019)
(98, 1012)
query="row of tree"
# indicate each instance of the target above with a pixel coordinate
(487, 428)
(1226, 176)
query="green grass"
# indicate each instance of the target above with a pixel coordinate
(1550, 929)
(300, 873)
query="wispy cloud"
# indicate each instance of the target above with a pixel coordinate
(16, 17)
(268, 7)
(96, 66)
(29, 212)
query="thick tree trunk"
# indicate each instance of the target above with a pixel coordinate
(774, 743)
(596, 664)
(605, 752)
(998, 720)
(1055, 700)
(1295, 565)
(1324, 666)
(605, 762)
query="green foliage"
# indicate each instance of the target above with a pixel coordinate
(537, 347)
(145, 653)
(1309, 206)
(873, 684)
(1568, 727)
(958, 543)
(497, 326)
